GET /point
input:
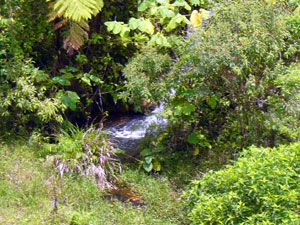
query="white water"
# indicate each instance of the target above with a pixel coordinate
(130, 130)
(137, 127)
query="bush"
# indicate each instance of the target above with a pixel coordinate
(24, 96)
(25, 99)
(145, 74)
(261, 187)
(228, 96)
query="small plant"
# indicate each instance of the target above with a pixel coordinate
(87, 153)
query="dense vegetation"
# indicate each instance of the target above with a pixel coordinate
(262, 187)
(227, 73)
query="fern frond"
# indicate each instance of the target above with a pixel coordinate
(76, 13)
(53, 14)
(78, 33)
(60, 24)
(78, 10)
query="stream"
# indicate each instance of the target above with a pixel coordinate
(128, 131)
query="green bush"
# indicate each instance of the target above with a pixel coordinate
(145, 74)
(24, 96)
(229, 96)
(261, 187)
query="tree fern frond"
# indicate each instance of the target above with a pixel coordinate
(77, 13)
(53, 14)
(78, 33)
(60, 24)
(78, 10)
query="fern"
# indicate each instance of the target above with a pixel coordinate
(78, 10)
(78, 33)
(76, 13)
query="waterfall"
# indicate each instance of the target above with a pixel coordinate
(128, 131)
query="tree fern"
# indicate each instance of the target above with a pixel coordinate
(78, 10)
(78, 33)
(76, 13)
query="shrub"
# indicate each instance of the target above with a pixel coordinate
(24, 96)
(25, 99)
(261, 187)
(145, 74)
(228, 96)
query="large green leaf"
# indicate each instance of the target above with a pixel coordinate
(156, 165)
(188, 108)
(147, 167)
(212, 102)
(62, 80)
(183, 4)
(70, 99)
(134, 23)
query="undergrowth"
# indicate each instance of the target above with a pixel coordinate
(28, 187)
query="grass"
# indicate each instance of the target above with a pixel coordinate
(28, 186)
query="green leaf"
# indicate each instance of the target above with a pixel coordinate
(117, 28)
(86, 79)
(110, 25)
(183, 4)
(78, 10)
(163, 2)
(159, 39)
(156, 165)
(70, 100)
(146, 152)
(147, 167)
(134, 23)
(72, 69)
(125, 31)
(193, 138)
(153, 40)
(165, 12)
(159, 148)
(188, 108)
(195, 2)
(61, 80)
(212, 102)
(177, 101)
(145, 4)
(176, 21)
(148, 26)
(148, 159)
(95, 79)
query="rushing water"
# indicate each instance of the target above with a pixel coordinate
(128, 131)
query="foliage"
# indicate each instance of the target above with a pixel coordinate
(76, 13)
(228, 95)
(23, 96)
(262, 187)
(144, 77)
(231, 84)
(87, 153)
(159, 22)
(26, 102)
